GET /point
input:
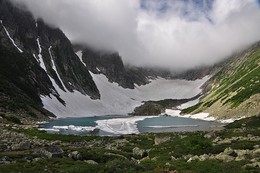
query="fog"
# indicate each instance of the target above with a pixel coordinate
(173, 34)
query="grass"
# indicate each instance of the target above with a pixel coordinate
(52, 137)
(238, 80)
(11, 118)
(250, 122)
(191, 109)
(121, 159)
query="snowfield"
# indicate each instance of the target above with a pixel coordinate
(114, 99)
(117, 100)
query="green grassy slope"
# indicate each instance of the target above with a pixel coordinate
(235, 89)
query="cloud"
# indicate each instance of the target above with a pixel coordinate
(172, 34)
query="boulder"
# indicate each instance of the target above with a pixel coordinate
(44, 153)
(21, 146)
(139, 153)
(203, 157)
(56, 151)
(75, 155)
(256, 152)
(91, 162)
(159, 139)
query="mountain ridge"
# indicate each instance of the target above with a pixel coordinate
(235, 88)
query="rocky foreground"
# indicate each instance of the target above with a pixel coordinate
(235, 148)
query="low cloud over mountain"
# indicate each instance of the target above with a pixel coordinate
(164, 33)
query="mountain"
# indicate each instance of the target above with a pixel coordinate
(111, 65)
(235, 89)
(34, 58)
(42, 74)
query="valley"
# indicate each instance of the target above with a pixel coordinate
(160, 101)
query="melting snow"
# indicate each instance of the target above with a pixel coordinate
(54, 67)
(40, 55)
(189, 104)
(79, 53)
(7, 33)
(36, 58)
(98, 69)
(200, 116)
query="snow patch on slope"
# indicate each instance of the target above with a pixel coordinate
(7, 33)
(54, 68)
(200, 116)
(189, 104)
(40, 55)
(79, 54)
(117, 100)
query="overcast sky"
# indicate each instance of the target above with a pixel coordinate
(175, 34)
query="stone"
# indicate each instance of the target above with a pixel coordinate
(190, 159)
(256, 152)
(233, 154)
(45, 153)
(21, 146)
(173, 158)
(159, 140)
(91, 162)
(210, 135)
(139, 153)
(224, 157)
(56, 151)
(203, 157)
(255, 165)
(75, 155)
(36, 159)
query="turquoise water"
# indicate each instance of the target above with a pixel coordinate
(122, 124)
(174, 124)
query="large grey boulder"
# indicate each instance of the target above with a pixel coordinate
(56, 151)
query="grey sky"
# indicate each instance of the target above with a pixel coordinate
(181, 37)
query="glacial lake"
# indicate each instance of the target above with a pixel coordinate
(122, 124)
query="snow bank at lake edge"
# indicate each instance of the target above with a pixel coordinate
(201, 116)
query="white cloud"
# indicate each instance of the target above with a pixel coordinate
(180, 36)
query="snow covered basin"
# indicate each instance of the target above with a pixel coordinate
(122, 124)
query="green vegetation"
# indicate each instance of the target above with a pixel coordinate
(235, 83)
(251, 122)
(11, 118)
(115, 154)
(158, 107)
(63, 138)
(191, 109)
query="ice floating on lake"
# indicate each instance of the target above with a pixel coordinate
(70, 127)
(121, 125)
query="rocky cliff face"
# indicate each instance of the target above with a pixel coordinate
(112, 66)
(35, 60)
(109, 64)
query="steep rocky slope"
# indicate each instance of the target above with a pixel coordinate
(235, 89)
(111, 65)
(34, 59)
